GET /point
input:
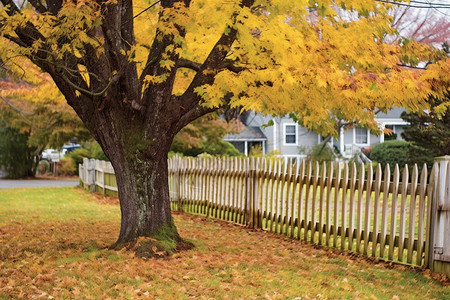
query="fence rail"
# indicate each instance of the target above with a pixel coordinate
(388, 214)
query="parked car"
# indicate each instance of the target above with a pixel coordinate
(52, 155)
(69, 148)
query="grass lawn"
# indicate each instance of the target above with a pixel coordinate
(52, 246)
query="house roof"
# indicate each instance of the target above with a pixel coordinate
(248, 134)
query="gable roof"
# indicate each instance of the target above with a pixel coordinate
(248, 134)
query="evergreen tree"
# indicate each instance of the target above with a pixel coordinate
(431, 129)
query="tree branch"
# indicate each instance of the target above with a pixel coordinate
(185, 63)
(38, 6)
(113, 79)
(15, 107)
(229, 64)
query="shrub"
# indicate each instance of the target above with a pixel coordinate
(220, 148)
(256, 151)
(391, 152)
(401, 153)
(77, 157)
(43, 167)
(66, 167)
(321, 153)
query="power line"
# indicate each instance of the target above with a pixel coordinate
(429, 3)
(419, 4)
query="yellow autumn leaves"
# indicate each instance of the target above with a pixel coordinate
(325, 61)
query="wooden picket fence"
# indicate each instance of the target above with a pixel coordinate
(393, 215)
(384, 215)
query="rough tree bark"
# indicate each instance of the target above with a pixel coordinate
(133, 122)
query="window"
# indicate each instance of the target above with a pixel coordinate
(290, 134)
(361, 136)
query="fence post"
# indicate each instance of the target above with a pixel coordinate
(177, 162)
(253, 194)
(91, 173)
(248, 182)
(441, 219)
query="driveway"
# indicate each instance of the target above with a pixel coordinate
(6, 183)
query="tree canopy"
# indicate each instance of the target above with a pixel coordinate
(137, 72)
(314, 58)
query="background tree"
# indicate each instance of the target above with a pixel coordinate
(204, 135)
(425, 25)
(136, 79)
(16, 156)
(430, 129)
(39, 115)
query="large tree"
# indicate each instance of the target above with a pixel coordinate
(137, 77)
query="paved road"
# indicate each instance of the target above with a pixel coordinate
(5, 183)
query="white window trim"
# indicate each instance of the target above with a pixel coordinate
(354, 138)
(284, 134)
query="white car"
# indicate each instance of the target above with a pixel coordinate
(52, 155)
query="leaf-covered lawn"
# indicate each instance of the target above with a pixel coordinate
(52, 245)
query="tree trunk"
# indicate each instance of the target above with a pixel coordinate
(140, 164)
(144, 199)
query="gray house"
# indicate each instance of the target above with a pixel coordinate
(285, 136)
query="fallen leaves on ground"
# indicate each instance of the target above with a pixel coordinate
(43, 256)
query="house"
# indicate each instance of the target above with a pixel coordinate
(287, 137)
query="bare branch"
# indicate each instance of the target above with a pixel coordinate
(15, 107)
(112, 80)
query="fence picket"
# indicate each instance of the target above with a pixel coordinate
(300, 181)
(359, 212)
(344, 207)
(307, 187)
(401, 231)
(294, 179)
(394, 209)
(351, 220)
(385, 212)
(420, 227)
(314, 202)
(322, 181)
(367, 210)
(336, 204)
(287, 198)
(412, 214)
(280, 217)
(328, 216)
(376, 209)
